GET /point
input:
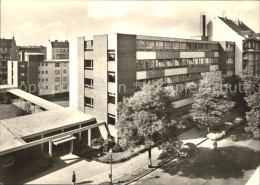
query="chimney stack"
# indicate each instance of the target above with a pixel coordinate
(203, 24)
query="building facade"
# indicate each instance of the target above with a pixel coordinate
(8, 51)
(31, 49)
(58, 50)
(246, 41)
(53, 77)
(108, 67)
(38, 76)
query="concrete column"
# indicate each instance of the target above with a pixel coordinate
(50, 148)
(80, 133)
(71, 146)
(89, 137)
(42, 145)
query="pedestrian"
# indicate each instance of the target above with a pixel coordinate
(74, 178)
(215, 145)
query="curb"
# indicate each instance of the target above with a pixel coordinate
(141, 176)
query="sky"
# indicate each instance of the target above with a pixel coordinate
(34, 22)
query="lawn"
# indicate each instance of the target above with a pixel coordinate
(8, 111)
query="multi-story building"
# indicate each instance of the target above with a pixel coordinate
(8, 51)
(247, 43)
(106, 68)
(38, 76)
(58, 50)
(53, 76)
(32, 49)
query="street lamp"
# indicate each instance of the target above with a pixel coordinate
(110, 175)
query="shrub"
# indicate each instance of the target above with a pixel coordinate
(117, 148)
(108, 143)
(97, 141)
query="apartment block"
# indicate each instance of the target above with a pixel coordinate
(38, 76)
(247, 43)
(53, 77)
(108, 67)
(8, 51)
(58, 50)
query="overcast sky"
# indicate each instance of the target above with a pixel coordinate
(34, 22)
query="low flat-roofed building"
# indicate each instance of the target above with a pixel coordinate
(48, 133)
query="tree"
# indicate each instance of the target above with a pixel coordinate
(146, 118)
(211, 101)
(252, 92)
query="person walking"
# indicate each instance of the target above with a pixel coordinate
(74, 178)
(215, 145)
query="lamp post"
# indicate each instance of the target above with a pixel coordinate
(110, 175)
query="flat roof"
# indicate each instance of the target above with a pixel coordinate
(35, 99)
(56, 60)
(158, 38)
(7, 139)
(45, 122)
(7, 87)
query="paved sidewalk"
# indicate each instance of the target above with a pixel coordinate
(141, 161)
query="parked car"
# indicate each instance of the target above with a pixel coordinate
(227, 126)
(238, 120)
(217, 135)
(187, 149)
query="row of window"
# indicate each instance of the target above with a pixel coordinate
(61, 50)
(172, 63)
(57, 72)
(57, 79)
(56, 64)
(56, 87)
(148, 45)
(168, 80)
(251, 44)
(4, 49)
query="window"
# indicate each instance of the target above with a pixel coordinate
(57, 64)
(168, 45)
(111, 98)
(22, 66)
(64, 78)
(46, 80)
(159, 45)
(88, 44)
(230, 60)
(57, 72)
(88, 83)
(8, 161)
(64, 71)
(43, 80)
(89, 64)
(111, 119)
(57, 79)
(176, 46)
(46, 64)
(56, 87)
(65, 87)
(149, 45)
(64, 65)
(89, 102)
(42, 64)
(140, 45)
(39, 80)
(42, 72)
(183, 46)
(46, 72)
(111, 55)
(111, 77)
(46, 87)
(22, 74)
